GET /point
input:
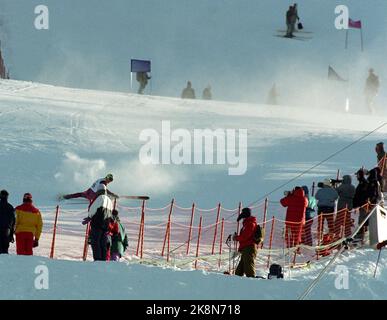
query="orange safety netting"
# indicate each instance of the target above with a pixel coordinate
(197, 237)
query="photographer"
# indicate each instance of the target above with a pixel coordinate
(296, 204)
(310, 213)
(346, 192)
(326, 198)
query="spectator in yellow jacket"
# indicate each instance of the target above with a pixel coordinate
(28, 226)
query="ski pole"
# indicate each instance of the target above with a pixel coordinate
(377, 262)
(228, 243)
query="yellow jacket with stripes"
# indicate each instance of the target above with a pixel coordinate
(28, 219)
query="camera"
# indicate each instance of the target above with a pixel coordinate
(335, 182)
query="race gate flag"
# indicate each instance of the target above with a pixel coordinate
(354, 24)
(140, 65)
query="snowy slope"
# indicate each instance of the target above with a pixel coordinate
(59, 140)
(79, 280)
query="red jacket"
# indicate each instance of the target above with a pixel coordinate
(246, 236)
(296, 203)
(113, 228)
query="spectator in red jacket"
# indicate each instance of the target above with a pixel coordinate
(247, 246)
(296, 202)
(112, 231)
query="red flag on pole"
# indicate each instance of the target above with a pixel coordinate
(354, 24)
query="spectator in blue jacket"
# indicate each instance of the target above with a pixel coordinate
(326, 198)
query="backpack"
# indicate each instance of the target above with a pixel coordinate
(275, 271)
(258, 235)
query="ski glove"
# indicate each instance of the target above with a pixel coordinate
(36, 243)
(86, 220)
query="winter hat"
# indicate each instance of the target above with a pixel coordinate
(27, 198)
(246, 212)
(115, 212)
(4, 194)
(361, 173)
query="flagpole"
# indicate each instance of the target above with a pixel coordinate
(361, 37)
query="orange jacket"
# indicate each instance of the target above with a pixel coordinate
(296, 202)
(28, 219)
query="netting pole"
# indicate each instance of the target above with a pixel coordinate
(142, 227)
(140, 231)
(338, 174)
(319, 232)
(85, 247)
(271, 240)
(264, 219)
(54, 233)
(216, 229)
(167, 230)
(221, 243)
(345, 221)
(238, 225)
(190, 228)
(198, 243)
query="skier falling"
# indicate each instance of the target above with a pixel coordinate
(91, 193)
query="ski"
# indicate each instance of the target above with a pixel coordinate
(298, 31)
(294, 38)
(135, 197)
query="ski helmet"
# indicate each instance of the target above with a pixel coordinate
(109, 177)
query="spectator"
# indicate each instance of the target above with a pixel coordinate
(7, 222)
(326, 198)
(28, 226)
(247, 245)
(296, 204)
(360, 201)
(382, 163)
(188, 92)
(100, 215)
(310, 212)
(346, 192)
(119, 238)
(207, 95)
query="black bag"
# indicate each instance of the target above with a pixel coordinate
(300, 26)
(275, 272)
(258, 235)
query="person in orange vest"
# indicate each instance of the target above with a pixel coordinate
(28, 226)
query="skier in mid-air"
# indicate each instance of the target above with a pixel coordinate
(90, 194)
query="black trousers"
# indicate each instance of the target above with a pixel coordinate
(99, 244)
(4, 241)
